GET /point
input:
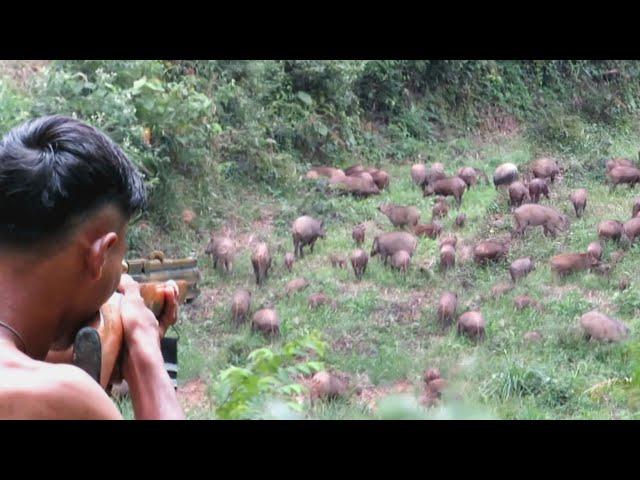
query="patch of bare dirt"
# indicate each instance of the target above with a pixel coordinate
(193, 395)
(497, 125)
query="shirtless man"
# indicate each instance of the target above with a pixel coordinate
(67, 193)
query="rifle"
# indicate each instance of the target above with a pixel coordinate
(97, 347)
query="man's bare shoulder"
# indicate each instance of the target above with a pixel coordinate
(38, 390)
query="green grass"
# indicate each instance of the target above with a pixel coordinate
(384, 326)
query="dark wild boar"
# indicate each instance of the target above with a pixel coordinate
(537, 188)
(505, 174)
(472, 324)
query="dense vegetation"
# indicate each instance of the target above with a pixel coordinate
(232, 139)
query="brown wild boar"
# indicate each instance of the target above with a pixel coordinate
(328, 172)
(318, 299)
(354, 169)
(489, 250)
(471, 324)
(360, 185)
(359, 260)
(222, 249)
(240, 304)
(266, 321)
(579, 200)
(296, 285)
(610, 229)
(400, 215)
(440, 209)
(545, 168)
(468, 174)
(289, 258)
(434, 173)
(520, 268)
(358, 234)
(523, 301)
(305, 231)
(431, 230)
(505, 174)
(631, 229)
(448, 187)
(595, 250)
(635, 208)
(518, 194)
(533, 215)
(538, 187)
(389, 243)
(449, 240)
(447, 308)
(338, 261)
(628, 175)
(567, 263)
(381, 179)
(431, 375)
(447, 257)
(460, 220)
(325, 385)
(418, 173)
(261, 262)
(598, 326)
(400, 260)
(618, 162)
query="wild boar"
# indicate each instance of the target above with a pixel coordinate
(460, 220)
(360, 185)
(240, 305)
(567, 263)
(261, 262)
(631, 229)
(354, 169)
(448, 187)
(628, 175)
(325, 385)
(338, 261)
(598, 326)
(635, 208)
(289, 258)
(505, 174)
(533, 215)
(523, 301)
(447, 308)
(305, 231)
(431, 230)
(449, 240)
(468, 174)
(610, 229)
(431, 375)
(418, 173)
(520, 268)
(538, 187)
(318, 299)
(296, 285)
(518, 194)
(579, 200)
(266, 321)
(222, 249)
(440, 209)
(595, 250)
(545, 168)
(381, 179)
(389, 243)
(618, 162)
(359, 260)
(471, 324)
(434, 173)
(400, 215)
(358, 234)
(400, 260)
(447, 257)
(489, 250)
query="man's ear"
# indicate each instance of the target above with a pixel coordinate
(98, 252)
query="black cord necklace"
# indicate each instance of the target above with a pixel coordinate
(15, 332)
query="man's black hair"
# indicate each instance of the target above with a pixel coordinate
(54, 172)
